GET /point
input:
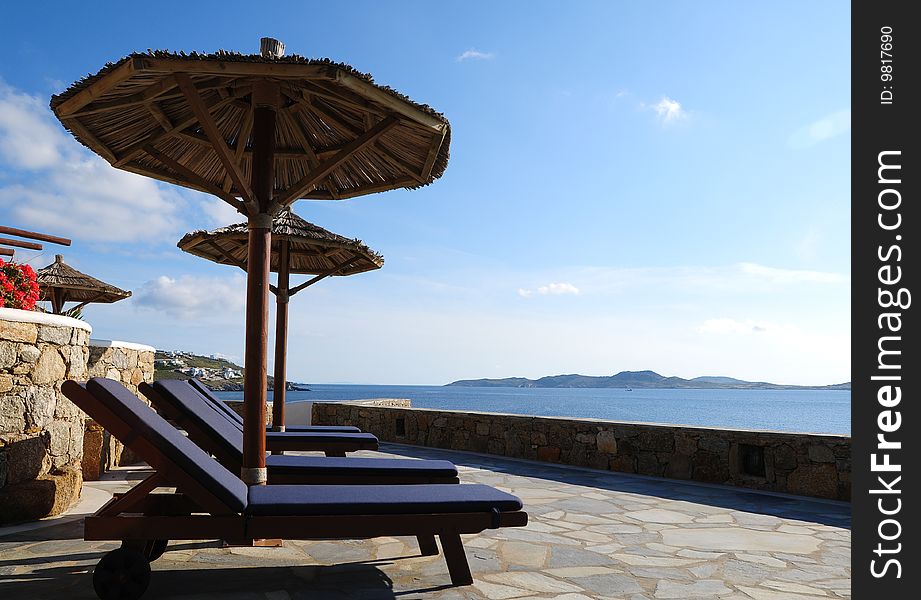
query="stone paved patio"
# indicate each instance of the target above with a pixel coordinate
(592, 535)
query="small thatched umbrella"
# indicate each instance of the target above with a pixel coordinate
(299, 248)
(60, 283)
(259, 132)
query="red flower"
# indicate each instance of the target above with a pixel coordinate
(18, 288)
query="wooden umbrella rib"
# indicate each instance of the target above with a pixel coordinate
(393, 104)
(96, 89)
(195, 178)
(7, 251)
(91, 140)
(434, 148)
(160, 116)
(242, 138)
(132, 152)
(327, 166)
(217, 140)
(320, 89)
(152, 92)
(227, 255)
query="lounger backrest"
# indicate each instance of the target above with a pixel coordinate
(222, 438)
(219, 404)
(144, 423)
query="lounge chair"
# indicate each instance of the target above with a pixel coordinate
(183, 405)
(214, 503)
(331, 442)
(228, 412)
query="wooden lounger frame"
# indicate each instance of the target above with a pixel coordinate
(196, 513)
(232, 462)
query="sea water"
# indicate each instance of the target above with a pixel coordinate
(812, 411)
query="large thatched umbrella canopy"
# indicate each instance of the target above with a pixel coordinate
(60, 283)
(298, 247)
(259, 132)
(189, 119)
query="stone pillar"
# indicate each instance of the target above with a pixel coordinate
(41, 431)
(130, 364)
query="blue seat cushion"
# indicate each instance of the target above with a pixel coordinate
(322, 429)
(284, 464)
(283, 439)
(222, 438)
(313, 500)
(175, 447)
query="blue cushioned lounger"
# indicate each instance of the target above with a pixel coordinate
(210, 502)
(229, 413)
(179, 400)
(182, 404)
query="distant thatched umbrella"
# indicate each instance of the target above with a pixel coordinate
(298, 247)
(60, 283)
(259, 132)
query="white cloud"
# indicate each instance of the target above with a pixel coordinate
(28, 138)
(220, 212)
(827, 127)
(192, 298)
(669, 111)
(557, 289)
(474, 54)
(551, 289)
(783, 276)
(749, 326)
(58, 186)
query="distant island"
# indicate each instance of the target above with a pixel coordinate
(216, 372)
(640, 380)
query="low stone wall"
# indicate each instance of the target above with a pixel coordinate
(41, 431)
(796, 463)
(130, 364)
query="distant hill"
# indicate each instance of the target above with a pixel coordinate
(640, 379)
(215, 372)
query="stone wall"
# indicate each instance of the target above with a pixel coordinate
(41, 431)
(130, 364)
(796, 463)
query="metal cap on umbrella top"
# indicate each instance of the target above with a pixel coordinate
(298, 247)
(60, 283)
(259, 132)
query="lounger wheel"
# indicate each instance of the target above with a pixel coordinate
(123, 574)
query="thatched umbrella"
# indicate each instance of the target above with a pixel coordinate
(259, 132)
(60, 283)
(299, 248)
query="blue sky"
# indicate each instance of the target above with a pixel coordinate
(631, 186)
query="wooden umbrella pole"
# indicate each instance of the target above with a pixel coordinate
(57, 301)
(266, 98)
(281, 336)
